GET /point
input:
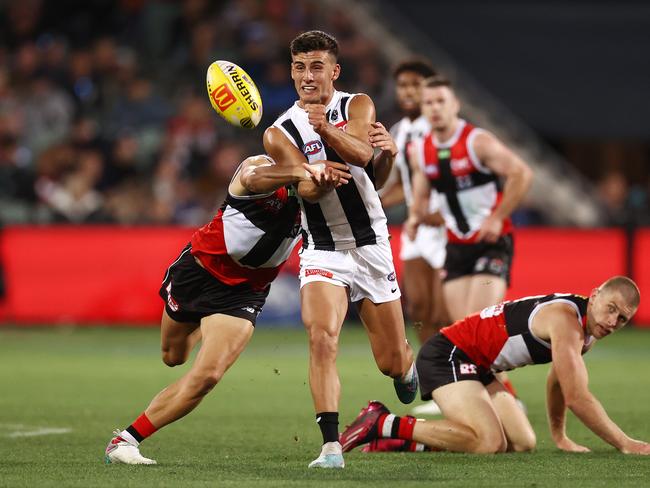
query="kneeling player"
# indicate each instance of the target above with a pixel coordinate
(216, 288)
(457, 366)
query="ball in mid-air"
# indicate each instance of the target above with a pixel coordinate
(233, 94)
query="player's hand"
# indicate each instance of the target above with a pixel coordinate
(411, 227)
(490, 230)
(317, 116)
(434, 219)
(328, 175)
(632, 446)
(568, 445)
(381, 138)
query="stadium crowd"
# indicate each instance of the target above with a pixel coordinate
(104, 118)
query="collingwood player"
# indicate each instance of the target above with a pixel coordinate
(215, 289)
(345, 252)
(422, 258)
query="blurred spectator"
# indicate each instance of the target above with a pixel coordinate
(103, 108)
(613, 191)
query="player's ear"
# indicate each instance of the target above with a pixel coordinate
(337, 72)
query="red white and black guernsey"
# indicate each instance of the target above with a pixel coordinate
(499, 338)
(350, 216)
(470, 191)
(249, 238)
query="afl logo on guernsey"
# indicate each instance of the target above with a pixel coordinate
(312, 147)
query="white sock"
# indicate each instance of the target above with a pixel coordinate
(408, 376)
(129, 438)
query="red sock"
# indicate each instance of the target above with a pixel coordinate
(394, 427)
(507, 384)
(141, 428)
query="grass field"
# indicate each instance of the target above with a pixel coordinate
(257, 427)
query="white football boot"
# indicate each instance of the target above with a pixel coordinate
(331, 456)
(119, 451)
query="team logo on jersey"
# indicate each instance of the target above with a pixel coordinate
(335, 115)
(312, 147)
(460, 165)
(468, 368)
(391, 276)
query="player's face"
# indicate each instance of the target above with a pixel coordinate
(408, 90)
(313, 75)
(440, 106)
(607, 312)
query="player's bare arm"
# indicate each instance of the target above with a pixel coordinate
(559, 324)
(421, 190)
(352, 143)
(260, 174)
(518, 177)
(556, 414)
(383, 162)
(393, 194)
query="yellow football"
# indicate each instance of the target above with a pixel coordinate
(233, 94)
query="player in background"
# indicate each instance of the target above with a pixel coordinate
(346, 253)
(422, 258)
(457, 368)
(216, 288)
(465, 165)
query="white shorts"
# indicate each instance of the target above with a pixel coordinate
(429, 244)
(367, 271)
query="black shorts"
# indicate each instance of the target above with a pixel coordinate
(440, 363)
(480, 258)
(191, 293)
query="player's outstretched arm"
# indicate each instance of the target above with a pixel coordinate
(496, 156)
(567, 339)
(262, 175)
(352, 143)
(322, 177)
(556, 414)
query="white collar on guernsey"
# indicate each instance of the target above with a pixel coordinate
(453, 139)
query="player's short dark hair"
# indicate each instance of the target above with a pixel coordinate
(626, 287)
(416, 65)
(437, 81)
(315, 40)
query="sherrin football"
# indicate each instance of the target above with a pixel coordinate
(233, 94)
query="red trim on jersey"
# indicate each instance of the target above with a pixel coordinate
(209, 247)
(480, 338)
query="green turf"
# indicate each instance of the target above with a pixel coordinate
(257, 427)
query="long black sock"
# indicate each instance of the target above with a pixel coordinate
(329, 426)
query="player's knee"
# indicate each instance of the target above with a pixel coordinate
(172, 357)
(525, 443)
(417, 309)
(494, 443)
(322, 343)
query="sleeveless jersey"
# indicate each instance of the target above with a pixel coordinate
(500, 337)
(350, 216)
(469, 190)
(249, 238)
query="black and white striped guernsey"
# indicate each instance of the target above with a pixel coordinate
(352, 215)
